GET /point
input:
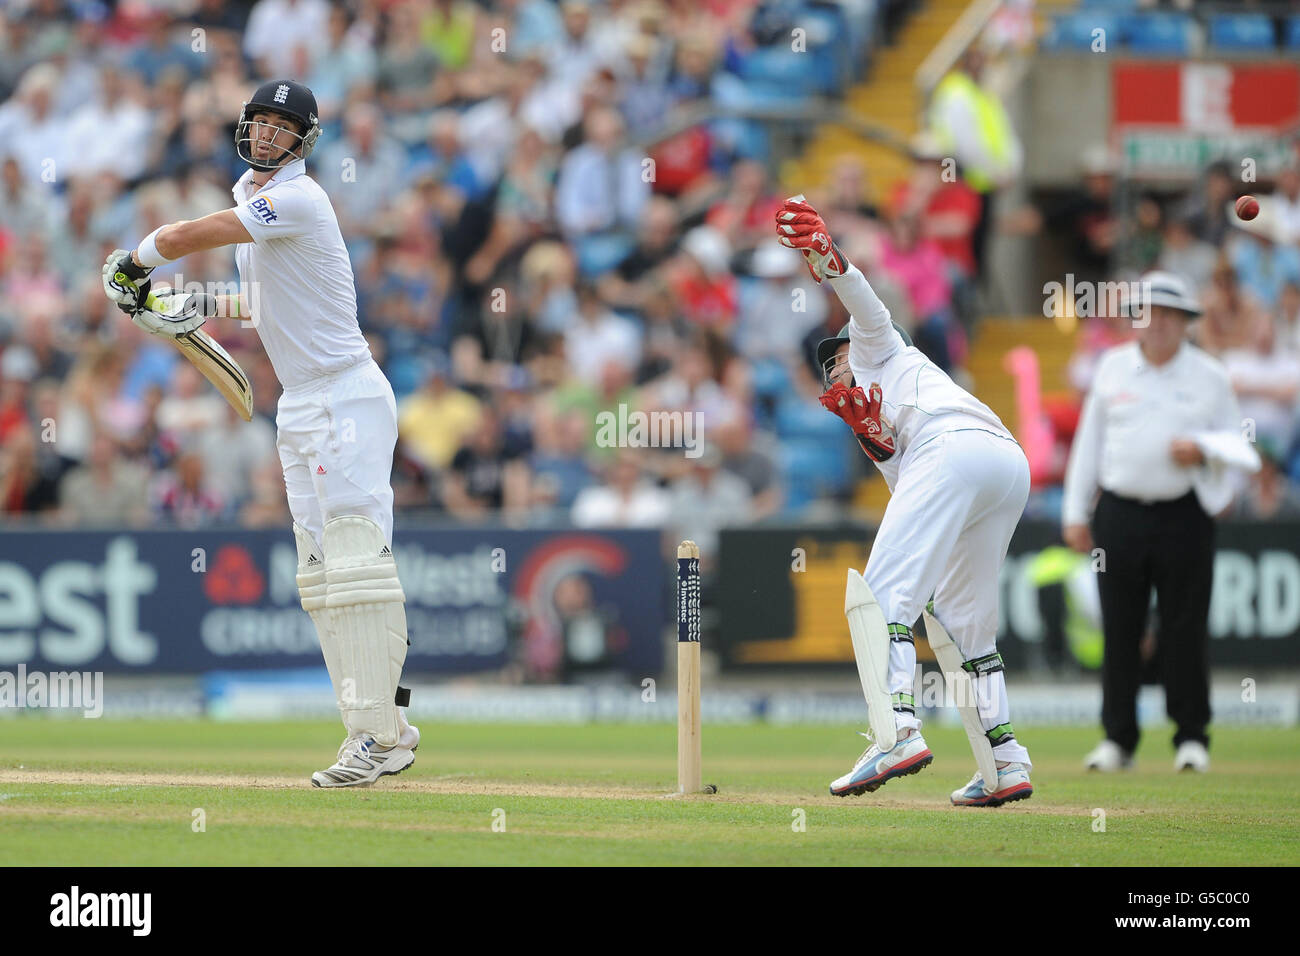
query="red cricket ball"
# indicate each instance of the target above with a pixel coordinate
(1247, 208)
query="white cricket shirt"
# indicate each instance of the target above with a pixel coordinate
(917, 396)
(297, 277)
(1135, 411)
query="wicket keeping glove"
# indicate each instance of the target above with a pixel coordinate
(861, 411)
(169, 312)
(800, 226)
(125, 283)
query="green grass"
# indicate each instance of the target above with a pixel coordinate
(96, 792)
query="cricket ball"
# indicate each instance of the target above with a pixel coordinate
(1247, 208)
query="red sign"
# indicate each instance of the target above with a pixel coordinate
(1207, 96)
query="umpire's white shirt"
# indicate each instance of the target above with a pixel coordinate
(1134, 413)
(297, 277)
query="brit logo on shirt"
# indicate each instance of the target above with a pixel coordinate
(263, 209)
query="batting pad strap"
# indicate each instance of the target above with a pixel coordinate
(904, 703)
(1000, 734)
(901, 634)
(989, 664)
(403, 697)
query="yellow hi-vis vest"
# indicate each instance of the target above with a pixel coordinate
(995, 131)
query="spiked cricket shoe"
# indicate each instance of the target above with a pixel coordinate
(361, 762)
(874, 768)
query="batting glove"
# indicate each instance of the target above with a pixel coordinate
(171, 313)
(125, 283)
(800, 226)
(861, 411)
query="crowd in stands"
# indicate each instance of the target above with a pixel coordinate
(536, 240)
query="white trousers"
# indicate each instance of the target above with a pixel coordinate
(945, 533)
(336, 438)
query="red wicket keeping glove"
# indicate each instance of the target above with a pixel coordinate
(800, 226)
(860, 410)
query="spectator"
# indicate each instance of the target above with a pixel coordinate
(626, 499)
(597, 336)
(558, 464)
(1185, 255)
(1264, 261)
(972, 126)
(600, 193)
(434, 421)
(706, 499)
(277, 28)
(183, 497)
(487, 474)
(917, 264)
(105, 491)
(1232, 315)
(1266, 379)
(1268, 495)
(1207, 212)
(25, 487)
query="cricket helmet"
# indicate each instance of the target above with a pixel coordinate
(284, 98)
(826, 349)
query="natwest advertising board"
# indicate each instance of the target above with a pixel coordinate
(1171, 119)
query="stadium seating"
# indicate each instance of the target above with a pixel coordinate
(1168, 33)
(1074, 32)
(1242, 32)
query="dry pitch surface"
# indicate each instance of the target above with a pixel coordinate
(97, 792)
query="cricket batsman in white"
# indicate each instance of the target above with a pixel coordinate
(958, 482)
(337, 418)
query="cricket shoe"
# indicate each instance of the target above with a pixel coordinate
(875, 767)
(1108, 757)
(361, 762)
(408, 737)
(1192, 755)
(1013, 784)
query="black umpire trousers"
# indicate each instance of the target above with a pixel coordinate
(1168, 546)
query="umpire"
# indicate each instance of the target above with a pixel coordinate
(1158, 439)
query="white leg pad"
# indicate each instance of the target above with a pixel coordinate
(311, 591)
(365, 602)
(963, 692)
(870, 635)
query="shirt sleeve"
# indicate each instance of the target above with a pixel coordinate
(280, 212)
(870, 330)
(1082, 475)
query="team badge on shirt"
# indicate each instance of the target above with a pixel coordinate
(263, 209)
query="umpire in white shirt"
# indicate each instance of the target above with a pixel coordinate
(1158, 439)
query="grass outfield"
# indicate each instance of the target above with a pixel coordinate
(99, 792)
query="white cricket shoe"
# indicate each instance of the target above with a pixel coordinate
(408, 737)
(1108, 757)
(1192, 755)
(908, 755)
(1013, 784)
(361, 762)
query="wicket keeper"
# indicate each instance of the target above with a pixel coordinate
(958, 483)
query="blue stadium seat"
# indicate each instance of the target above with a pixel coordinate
(1119, 6)
(799, 418)
(812, 469)
(1245, 32)
(1157, 33)
(1074, 31)
(806, 73)
(770, 378)
(1293, 34)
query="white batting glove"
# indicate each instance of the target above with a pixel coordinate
(125, 283)
(172, 313)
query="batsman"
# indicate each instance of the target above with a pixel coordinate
(958, 483)
(336, 424)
